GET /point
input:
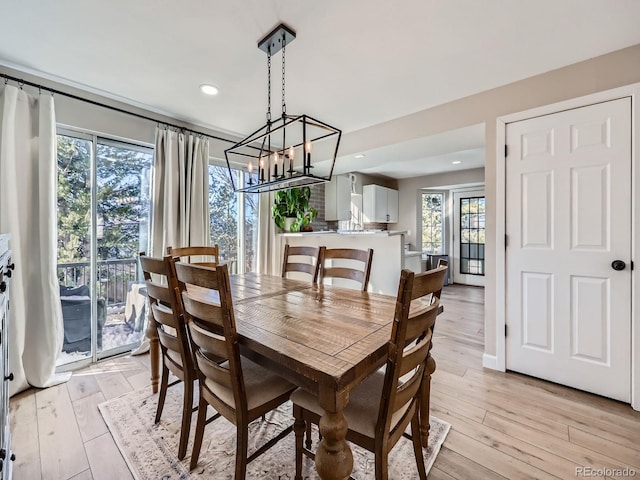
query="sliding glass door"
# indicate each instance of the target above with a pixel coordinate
(103, 223)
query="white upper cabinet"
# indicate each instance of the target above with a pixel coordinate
(379, 204)
(337, 198)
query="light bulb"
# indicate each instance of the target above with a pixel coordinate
(307, 146)
(250, 167)
(292, 152)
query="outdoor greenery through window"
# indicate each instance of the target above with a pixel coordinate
(432, 223)
(234, 220)
(103, 223)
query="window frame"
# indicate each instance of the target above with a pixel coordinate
(443, 220)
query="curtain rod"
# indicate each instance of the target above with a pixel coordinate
(22, 82)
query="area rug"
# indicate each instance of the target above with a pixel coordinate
(150, 450)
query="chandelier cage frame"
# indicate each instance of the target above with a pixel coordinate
(278, 155)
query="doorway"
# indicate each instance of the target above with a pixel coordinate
(469, 226)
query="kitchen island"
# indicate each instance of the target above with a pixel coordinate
(388, 253)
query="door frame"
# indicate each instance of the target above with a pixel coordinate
(498, 361)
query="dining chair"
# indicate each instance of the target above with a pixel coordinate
(383, 405)
(311, 266)
(239, 389)
(360, 275)
(161, 284)
(185, 253)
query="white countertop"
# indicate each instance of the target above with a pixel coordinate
(386, 233)
(408, 253)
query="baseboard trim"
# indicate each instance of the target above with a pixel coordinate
(490, 361)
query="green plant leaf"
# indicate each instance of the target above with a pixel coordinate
(293, 203)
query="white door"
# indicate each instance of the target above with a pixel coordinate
(568, 219)
(468, 237)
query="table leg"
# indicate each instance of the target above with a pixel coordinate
(425, 395)
(334, 460)
(154, 351)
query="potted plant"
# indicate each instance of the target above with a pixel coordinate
(291, 210)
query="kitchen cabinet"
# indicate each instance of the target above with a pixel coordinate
(337, 198)
(379, 204)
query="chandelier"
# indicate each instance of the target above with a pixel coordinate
(290, 151)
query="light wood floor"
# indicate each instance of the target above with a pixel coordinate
(504, 425)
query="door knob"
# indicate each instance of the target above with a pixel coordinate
(618, 265)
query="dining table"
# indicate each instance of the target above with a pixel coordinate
(322, 338)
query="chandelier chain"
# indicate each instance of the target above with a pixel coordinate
(269, 86)
(284, 49)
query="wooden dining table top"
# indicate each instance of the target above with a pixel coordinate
(312, 334)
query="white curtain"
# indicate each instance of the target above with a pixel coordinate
(28, 212)
(269, 245)
(180, 208)
(180, 215)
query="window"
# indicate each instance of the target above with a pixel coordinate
(432, 223)
(234, 220)
(472, 235)
(103, 223)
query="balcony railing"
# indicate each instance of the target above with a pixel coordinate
(114, 278)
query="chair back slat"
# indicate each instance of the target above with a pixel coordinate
(209, 342)
(423, 321)
(430, 284)
(360, 275)
(311, 266)
(203, 311)
(164, 316)
(201, 277)
(213, 371)
(159, 292)
(302, 267)
(344, 272)
(414, 355)
(202, 254)
(152, 265)
(408, 390)
(168, 341)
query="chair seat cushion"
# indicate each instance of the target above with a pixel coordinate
(362, 410)
(261, 385)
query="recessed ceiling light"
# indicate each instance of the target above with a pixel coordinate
(360, 155)
(456, 162)
(208, 89)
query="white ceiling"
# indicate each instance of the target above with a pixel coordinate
(353, 64)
